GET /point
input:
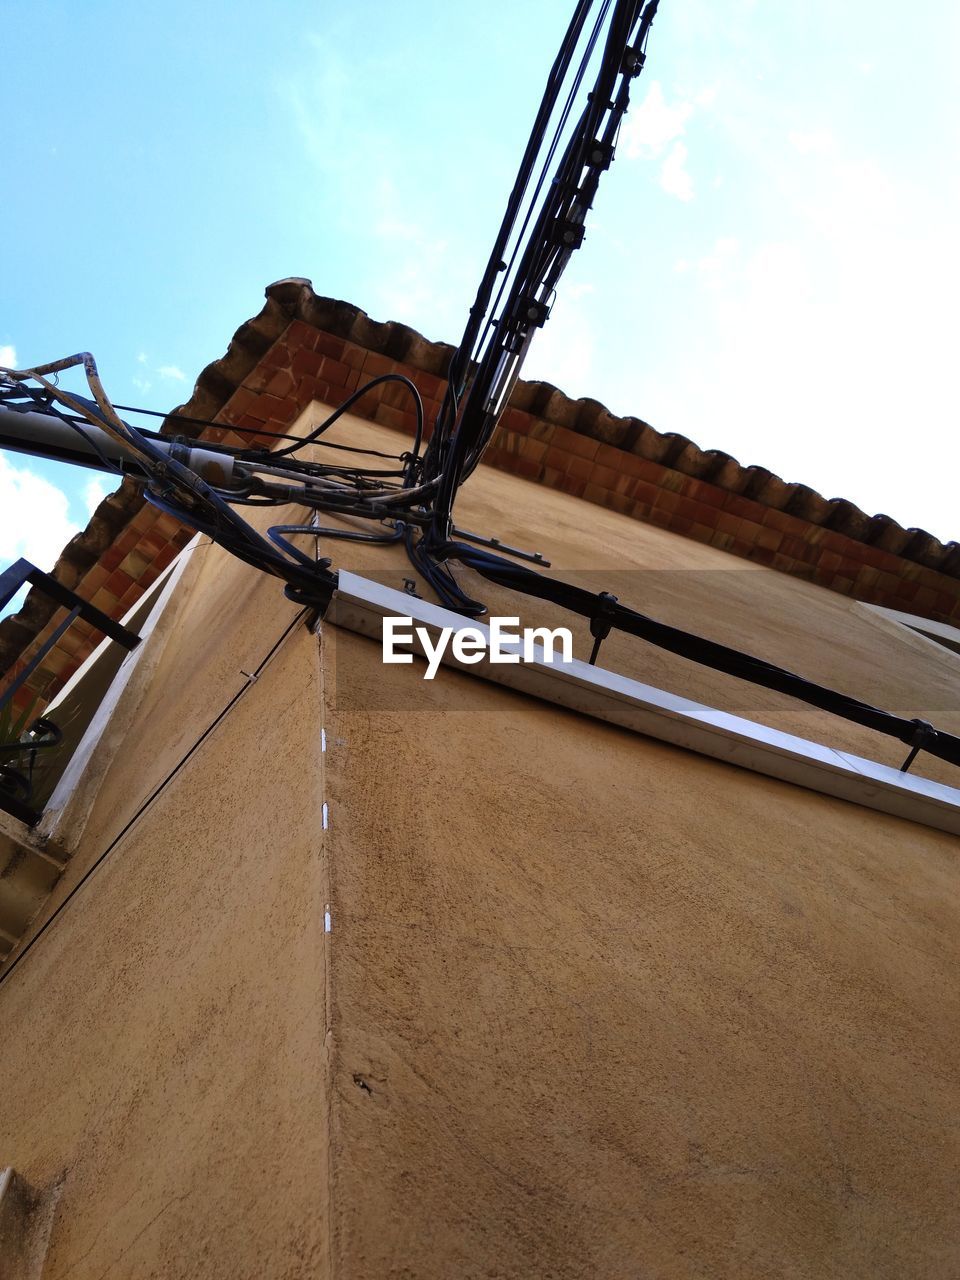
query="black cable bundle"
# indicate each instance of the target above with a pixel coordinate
(609, 613)
(473, 405)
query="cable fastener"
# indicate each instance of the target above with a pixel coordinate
(923, 733)
(532, 311)
(633, 60)
(601, 622)
(567, 234)
(600, 154)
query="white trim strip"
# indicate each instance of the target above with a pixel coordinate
(941, 633)
(77, 788)
(359, 605)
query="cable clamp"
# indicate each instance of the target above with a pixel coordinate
(567, 234)
(633, 60)
(531, 311)
(180, 449)
(601, 622)
(923, 733)
(599, 154)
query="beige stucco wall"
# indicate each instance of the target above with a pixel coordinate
(163, 1046)
(590, 1005)
(629, 1012)
(605, 1008)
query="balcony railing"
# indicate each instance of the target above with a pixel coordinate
(19, 755)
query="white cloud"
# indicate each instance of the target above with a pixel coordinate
(143, 381)
(674, 177)
(714, 267)
(94, 492)
(825, 353)
(812, 141)
(375, 196)
(8, 356)
(651, 129)
(34, 517)
(655, 132)
(416, 279)
(563, 351)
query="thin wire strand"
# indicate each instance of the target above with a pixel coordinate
(154, 795)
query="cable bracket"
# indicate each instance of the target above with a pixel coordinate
(633, 60)
(601, 622)
(600, 154)
(924, 732)
(531, 311)
(567, 234)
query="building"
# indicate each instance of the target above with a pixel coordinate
(317, 968)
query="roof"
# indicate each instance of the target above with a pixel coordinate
(304, 347)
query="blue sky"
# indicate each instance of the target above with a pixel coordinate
(771, 267)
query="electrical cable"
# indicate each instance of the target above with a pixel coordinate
(557, 233)
(175, 488)
(606, 611)
(240, 430)
(352, 400)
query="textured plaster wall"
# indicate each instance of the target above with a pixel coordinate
(604, 1008)
(162, 1049)
(589, 1006)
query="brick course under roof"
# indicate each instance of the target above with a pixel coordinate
(303, 347)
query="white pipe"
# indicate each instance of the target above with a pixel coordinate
(45, 436)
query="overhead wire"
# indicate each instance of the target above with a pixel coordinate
(154, 795)
(602, 608)
(240, 429)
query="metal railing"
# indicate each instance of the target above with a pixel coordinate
(16, 783)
